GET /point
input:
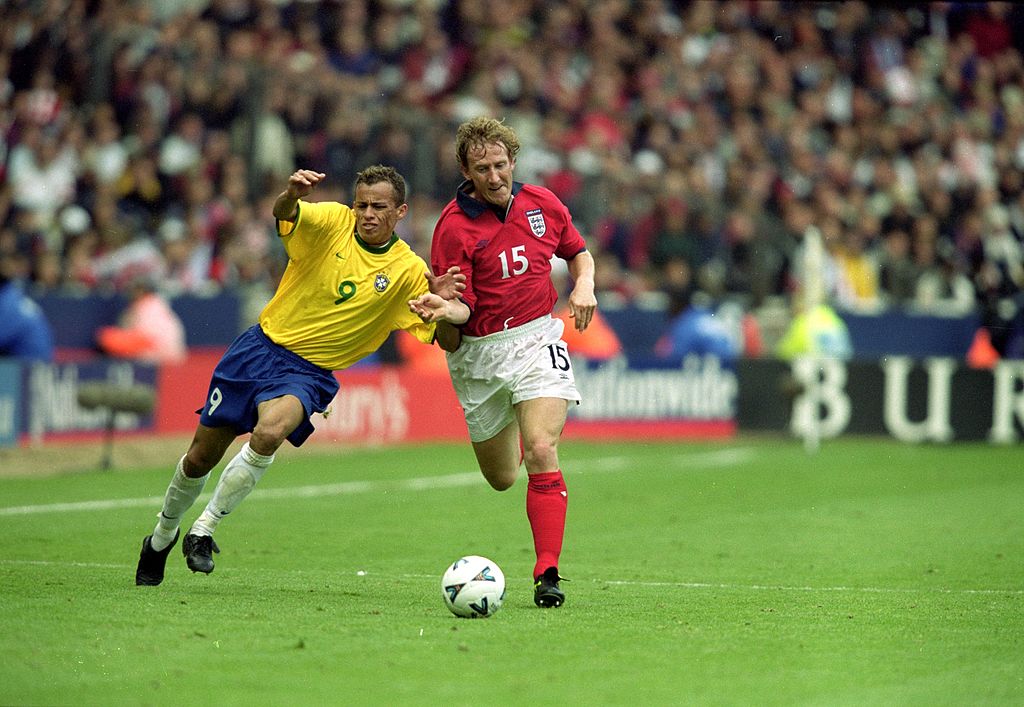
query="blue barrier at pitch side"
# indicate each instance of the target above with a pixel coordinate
(209, 321)
(873, 336)
(215, 321)
(898, 333)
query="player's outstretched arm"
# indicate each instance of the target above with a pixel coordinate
(300, 184)
(447, 285)
(434, 308)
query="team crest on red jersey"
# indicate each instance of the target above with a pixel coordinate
(381, 282)
(537, 225)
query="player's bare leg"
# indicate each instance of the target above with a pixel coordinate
(277, 419)
(498, 457)
(206, 450)
(541, 421)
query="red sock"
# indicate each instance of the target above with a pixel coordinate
(546, 502)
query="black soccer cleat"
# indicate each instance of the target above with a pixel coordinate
(198, 551)
(150, 571)
(546, 592)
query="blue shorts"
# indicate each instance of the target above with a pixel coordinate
(255, 369)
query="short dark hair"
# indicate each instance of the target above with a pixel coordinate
(382, 173)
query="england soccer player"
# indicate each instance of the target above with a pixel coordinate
(510, 367)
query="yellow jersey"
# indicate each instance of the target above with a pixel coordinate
(340, 298)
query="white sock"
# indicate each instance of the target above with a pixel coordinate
(240, 477)
(181, 494)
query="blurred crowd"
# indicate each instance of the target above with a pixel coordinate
(695, 142)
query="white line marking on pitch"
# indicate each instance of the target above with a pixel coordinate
(51, 563)
(720, 458)
(785, 588)
(612, 582)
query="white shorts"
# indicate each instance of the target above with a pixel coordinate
(492, 373)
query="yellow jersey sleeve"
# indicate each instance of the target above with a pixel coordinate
(340, 298)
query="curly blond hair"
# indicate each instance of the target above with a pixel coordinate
(483, 131)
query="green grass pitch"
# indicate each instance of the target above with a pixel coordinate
(746, 572)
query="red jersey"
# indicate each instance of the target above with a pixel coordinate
(507, 263)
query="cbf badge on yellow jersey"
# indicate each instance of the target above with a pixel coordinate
(347, 289)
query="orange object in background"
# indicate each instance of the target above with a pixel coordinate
(982, 354)
(418, 356)
(123, 343)
(149, 330)
(598, 343)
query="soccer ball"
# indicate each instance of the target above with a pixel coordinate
(473, 587)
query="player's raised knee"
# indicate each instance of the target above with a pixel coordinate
(266, 438)
(199, 461)
(501, 481)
